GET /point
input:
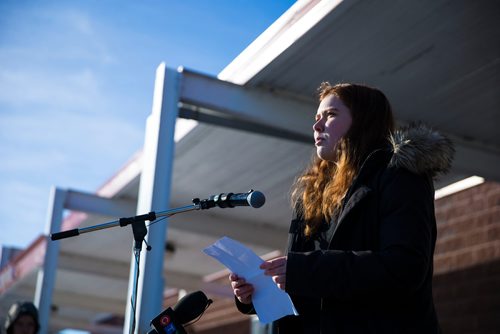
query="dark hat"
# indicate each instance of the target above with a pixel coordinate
(18, 309)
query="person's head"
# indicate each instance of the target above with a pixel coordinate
(333, 121)
(352, 121)
(22, 319)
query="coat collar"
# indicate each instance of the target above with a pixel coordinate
(359, 189)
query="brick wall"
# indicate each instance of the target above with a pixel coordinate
(467, 261)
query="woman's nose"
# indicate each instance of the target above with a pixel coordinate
(318, 125)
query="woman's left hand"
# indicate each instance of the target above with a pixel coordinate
(277, 269)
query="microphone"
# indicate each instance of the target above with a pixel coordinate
(188, 308)
(253, 198)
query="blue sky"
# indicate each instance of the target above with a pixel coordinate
(76, 86)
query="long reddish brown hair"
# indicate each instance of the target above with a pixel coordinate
(319, 191)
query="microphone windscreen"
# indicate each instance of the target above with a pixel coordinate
(256, 199)
(190, 307)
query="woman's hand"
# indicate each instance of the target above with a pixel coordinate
(277, 269)
(241, 289)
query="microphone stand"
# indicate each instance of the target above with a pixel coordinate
(139, 230)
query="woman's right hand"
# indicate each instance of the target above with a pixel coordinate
(241, 289)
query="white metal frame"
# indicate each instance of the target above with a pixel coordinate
(199, 97)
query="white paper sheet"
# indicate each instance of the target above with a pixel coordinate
(270, 302)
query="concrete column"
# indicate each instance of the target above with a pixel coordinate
(154, 195)
(47, 274)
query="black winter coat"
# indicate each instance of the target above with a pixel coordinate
(376, 274)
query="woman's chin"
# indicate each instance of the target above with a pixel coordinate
(324, 154)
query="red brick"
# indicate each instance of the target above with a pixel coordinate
(494, 216)
(493, 232)
(493, 198)
(442, 263)
(484, 253)
(464, 260)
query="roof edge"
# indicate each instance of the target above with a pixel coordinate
(285, 31)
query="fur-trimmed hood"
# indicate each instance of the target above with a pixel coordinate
(420, 150)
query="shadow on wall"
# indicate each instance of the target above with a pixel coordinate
(468, 301)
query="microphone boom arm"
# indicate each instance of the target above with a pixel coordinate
(127, 221)
(252, 198)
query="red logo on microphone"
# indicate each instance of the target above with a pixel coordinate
(165, 320)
